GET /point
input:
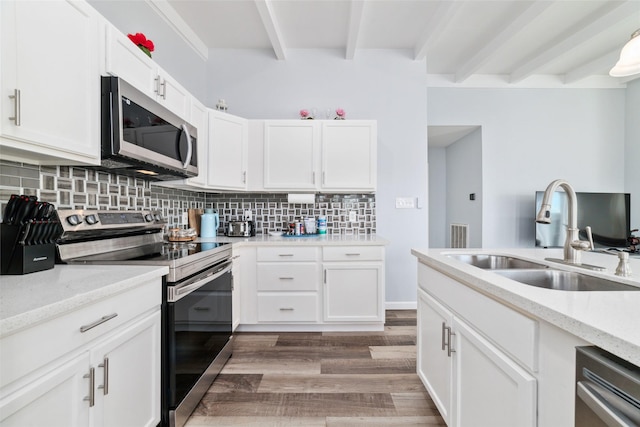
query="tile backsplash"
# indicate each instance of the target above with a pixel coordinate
(71, 187)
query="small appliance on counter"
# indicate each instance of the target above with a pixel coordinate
(209, 223)
(244, 228)
(29, 231)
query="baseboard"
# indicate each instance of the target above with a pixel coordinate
(401, 305)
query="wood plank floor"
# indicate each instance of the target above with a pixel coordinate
(322, 379)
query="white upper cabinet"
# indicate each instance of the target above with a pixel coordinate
(349, 155)
(290, 153)
(307, 155)
(50, 86)
(227, 151)
(200, 119)
(125, 60)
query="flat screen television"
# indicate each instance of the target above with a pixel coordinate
(608, 214)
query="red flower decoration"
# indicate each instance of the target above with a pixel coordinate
(142, 42)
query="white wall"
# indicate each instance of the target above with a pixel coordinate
(437, 164)
(385, 85)
(529, 138)
(464, 176)
(632, 150)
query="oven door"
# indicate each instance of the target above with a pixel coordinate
(198, 337)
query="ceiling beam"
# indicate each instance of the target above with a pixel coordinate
(592, 67)
(435, 26)
(607, 16)
(355, 20)
(265, 9)
(179, 25)
(489, 49)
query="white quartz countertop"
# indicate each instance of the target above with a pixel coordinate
(315, 240)
(607, 319)
(33, 298)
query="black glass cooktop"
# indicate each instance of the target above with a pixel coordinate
(155, 253)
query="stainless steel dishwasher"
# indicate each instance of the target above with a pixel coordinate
(607, 390)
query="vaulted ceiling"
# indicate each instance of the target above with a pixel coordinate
(461, 39)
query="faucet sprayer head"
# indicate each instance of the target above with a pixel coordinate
(544, 214)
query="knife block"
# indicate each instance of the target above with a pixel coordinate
(19, 258)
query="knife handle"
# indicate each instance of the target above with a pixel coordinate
(10, 209)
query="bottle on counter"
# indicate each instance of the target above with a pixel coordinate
(322, 224)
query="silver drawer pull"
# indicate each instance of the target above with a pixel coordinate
(100, 321)
(353, 254)
(201, 308)
(286, 309)
(92, 382)
(285, 278)
(285, 254)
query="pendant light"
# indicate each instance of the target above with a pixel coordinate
(629, 62)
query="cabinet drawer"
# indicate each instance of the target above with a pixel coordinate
(353, 253)
(283, 307)
(288, 277)
(288, 253)
(512, 331)
(62, 335)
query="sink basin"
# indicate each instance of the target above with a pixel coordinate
(564, 280)
(496, 262)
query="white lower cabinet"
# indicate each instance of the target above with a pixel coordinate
(313, 287)
(95, 366)
(472, 354)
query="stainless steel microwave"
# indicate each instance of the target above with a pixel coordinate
(142, 138)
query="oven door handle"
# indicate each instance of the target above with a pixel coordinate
(174, 293)
(598, 405)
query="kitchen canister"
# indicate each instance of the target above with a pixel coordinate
(210, 221)
(322, 225)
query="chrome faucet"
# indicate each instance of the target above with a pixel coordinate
(572, 245)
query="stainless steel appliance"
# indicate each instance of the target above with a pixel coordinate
(197, 319)
(140, 137)
(607, 390)
(241, 229)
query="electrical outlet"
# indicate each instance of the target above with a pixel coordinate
(405, 203)
(185, 218)
(352, 216)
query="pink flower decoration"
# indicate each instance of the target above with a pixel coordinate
(304, 113)
(340, 112)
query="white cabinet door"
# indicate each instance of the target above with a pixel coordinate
(200, 119)
(58, 398)
(353, 292)
(349, 155)
(491, 389)
(290, 152)
(434, 364)
(127, 369)
(125, 60)
(227, 161)
(50, 82)
(236, 275)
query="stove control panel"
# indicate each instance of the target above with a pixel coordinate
(77, 220)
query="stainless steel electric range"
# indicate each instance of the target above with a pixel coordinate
(197, 320)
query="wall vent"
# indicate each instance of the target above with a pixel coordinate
(459, 236)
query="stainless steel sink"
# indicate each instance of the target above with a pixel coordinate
(564, 280)
(496, 262)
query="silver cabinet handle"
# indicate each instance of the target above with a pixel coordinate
(163, 85)
(285, 254)
(100, 321)
(244, 177)
(16, 104)
(598, 405)
(449, 335)
(444, 330)
(285, 278)
(105, 376)
(324, 177)
(313, 178)
(353, 254)
(157, 89)
(92, 382)
(286, 309)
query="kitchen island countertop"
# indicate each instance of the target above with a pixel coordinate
(610, 319)
(26, 300)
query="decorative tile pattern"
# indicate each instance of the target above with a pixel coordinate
(71, 187)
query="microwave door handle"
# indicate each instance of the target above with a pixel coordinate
(189, 146)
